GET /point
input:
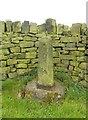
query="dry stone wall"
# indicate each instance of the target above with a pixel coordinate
(19, 48)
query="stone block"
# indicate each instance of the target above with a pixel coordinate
(71, 49)
(56, 43)
(83, 65)
(16, 26)
(14, 40)
(2, 27)
(67, 57)
(74, 63)
(3, 63)
(77, 53)
(66, 62)
(12, 69)
(51, 26)
(34, 65)
(56, 60)
(25, 27)
(18, 55)
(5, 41)
(80, 45)
(60, 29)
(30, 55)
(4, 70)
(84, 28)
(26, 44)
(23, 61)
(70, 45)
(57, 49)
(7, 46)
(82, 75)
(55, 54)
(21, 65)
(34, 61)
(20, 38)
(61, 65)
(34, 39)
(67, 30)
(80, 59)
(40, 35)
(33, 28)
(4, 57)
(12, 75)
(81, 48)
(42, 28)
(75, 78)
(78, 70)
(76, 29)
(8, 26)
(21, 71)
(69, 39)
(70, 68)
(27, 38)
(83, 83)
(11, 61)
(15, 49)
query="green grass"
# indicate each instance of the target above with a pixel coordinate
(73, 106)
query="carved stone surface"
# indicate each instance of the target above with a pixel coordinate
(45, 62)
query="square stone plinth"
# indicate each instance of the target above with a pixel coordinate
(48, 94)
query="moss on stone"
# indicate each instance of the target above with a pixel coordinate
(69, 39)
(3, 63)
(4, 70)
(21, 65)
(16, 26)
(33, 28)
(12, 75)
(30, 55)
(15, 40)
(11, 61)
(83, 65)
(23, 60)
(15, 49)
(5, 51)
(26, 44)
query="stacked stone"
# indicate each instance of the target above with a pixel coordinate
(69, 51)
(20, 44)
(19, 54)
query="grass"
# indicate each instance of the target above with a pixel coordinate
(73, 106)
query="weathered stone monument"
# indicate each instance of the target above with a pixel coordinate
(45, 87)
(45, 62)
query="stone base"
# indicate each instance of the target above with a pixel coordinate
(48, 94)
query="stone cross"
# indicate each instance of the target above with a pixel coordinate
(45, 63)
